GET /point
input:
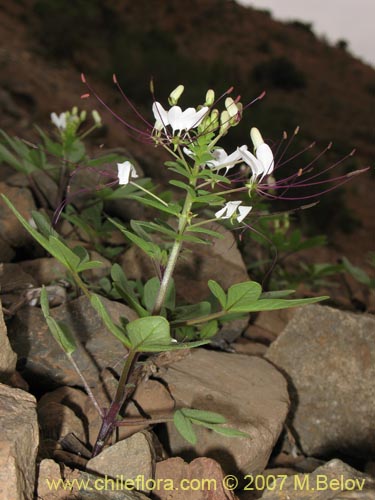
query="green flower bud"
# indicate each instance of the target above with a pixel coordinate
(97, 118)
(231, 107)
(256, 137)
(210, 98)
(175, 95)
(82, 116)
(224, 122)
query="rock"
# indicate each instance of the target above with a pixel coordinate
(128, 459)
(49, 472)
(100, 490)
(202, 479)
(154, 400)
(42, 357)
(67, 409)
(274, 321)
(8, 358)
(245, 346)
(68, 403)
(248, 391)
(44, 270)
(96, 274)
(7, 253)
(14, 282)
(333, 481)
(333, 380)
(10, 229)
(57, 420)
(18, 443)
(92, 487)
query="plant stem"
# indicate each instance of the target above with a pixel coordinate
(201, 319)
(148, 421)
(81, 285)
(173, 256)
(110, 418)
(86, 386)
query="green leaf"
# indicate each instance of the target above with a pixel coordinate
(184, 427)
(63, 253)
(171, 208)
(209, 329)
(224, 431)
(358, 274)
(124, 289)
(107, 320)
(240, 295)
(192, 311)
(150, 292)
(273, 304)
(145, 333)
(218, 292)
(204, 416)
(173, 346)
(151, 249)
(43, 225)
(204, 230)
(59, 331)
(92, 264)
(276, 294)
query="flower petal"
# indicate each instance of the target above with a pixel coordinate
(126, 171)
(253, 162)
(243, 212)
(175, 118)
(161, 116)
(265, 155)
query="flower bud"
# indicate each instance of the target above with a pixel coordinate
(210, 98)
(82, 116)
(224, 122)
(97, 118)
(256, 137)
(175, 95)
(231, 107)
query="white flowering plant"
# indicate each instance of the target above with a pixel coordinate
(205, 179)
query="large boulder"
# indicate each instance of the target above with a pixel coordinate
(328, 357)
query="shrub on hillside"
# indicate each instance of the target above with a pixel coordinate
(280, 73)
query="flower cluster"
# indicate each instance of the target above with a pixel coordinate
(191, 136)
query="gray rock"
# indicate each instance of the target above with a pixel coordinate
(18, 443)
(131, 458)
(333, 481)
(248, 391)
(329, 358)
(10, 229)
(117, 493)
(8, 358)
(92, 487)
(43, 357)
(195, 474)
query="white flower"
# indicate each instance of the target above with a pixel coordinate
(262, 164)
(223, 160)
(126, 171)
(59, 120)
(230, 208)
(176, 118)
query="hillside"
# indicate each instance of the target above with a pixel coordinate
(323, 89)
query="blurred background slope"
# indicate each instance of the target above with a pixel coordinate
(45, 44)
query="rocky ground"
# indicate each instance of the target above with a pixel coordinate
(298, 382)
